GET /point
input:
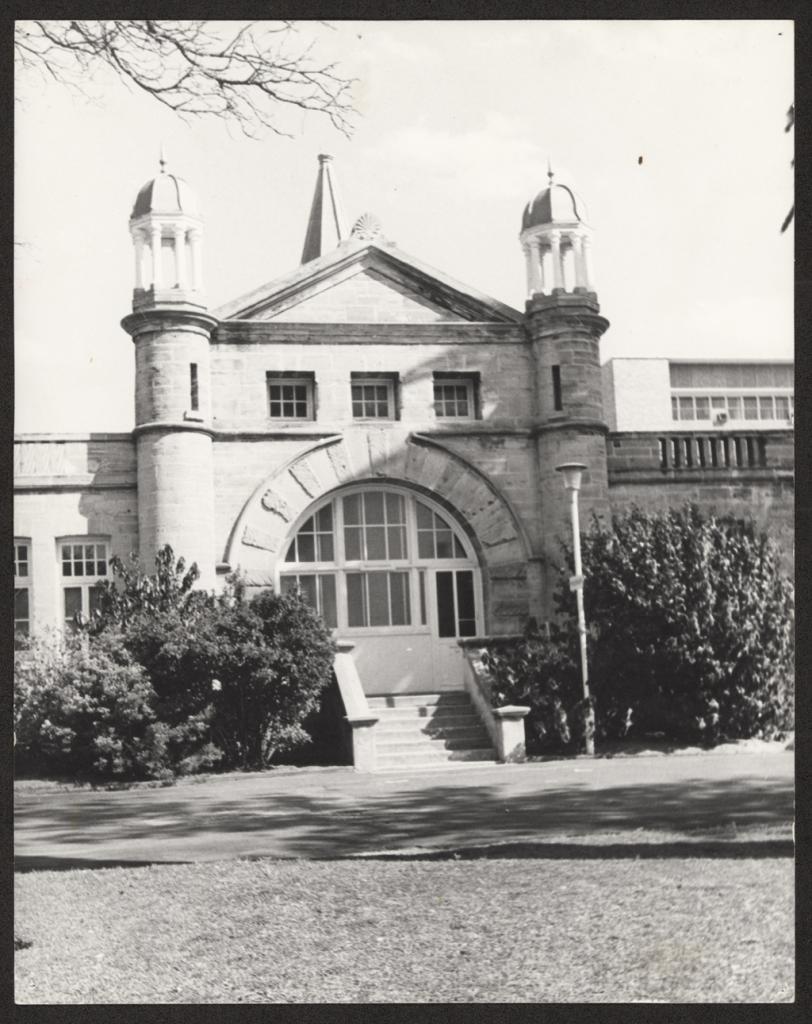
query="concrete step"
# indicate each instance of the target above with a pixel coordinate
(397, 720)
(422, 756)
(408, 743)
(411, 700)
(392, 734)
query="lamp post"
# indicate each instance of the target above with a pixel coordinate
(571, 472)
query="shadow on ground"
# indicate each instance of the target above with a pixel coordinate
(178, 825)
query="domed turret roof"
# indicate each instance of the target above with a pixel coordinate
(555, 204)
(167, 193)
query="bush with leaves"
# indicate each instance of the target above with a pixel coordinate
(690, 622)
(541, 672)
(87, 709)
(252, 670)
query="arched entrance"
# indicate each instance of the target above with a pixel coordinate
(391, 570)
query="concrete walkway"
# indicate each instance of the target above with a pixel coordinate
(336, 812)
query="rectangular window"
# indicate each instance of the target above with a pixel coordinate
(22, 614)
(766, 409)
(373, 397)
(194, 394)
(378, 599)
(674, 408)
(84, 565)
(686, 408)
(290, 396)
(702, 405)
(750, 408)
(734, 407)
(557, 400)
(456, 396)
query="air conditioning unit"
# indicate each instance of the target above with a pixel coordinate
(720, 419)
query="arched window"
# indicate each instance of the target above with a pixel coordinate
(372, 559)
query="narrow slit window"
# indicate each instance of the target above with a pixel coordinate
(558, 404)
(194, 389)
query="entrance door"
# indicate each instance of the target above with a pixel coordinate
(392, 572)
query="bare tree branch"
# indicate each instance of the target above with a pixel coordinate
(245, 73)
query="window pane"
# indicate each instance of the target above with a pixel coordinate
(750, 408)
(308, 587)
(307, 547)
(324, 519)
(702, 409)
(674, 408)
(395, 509)
(445, 604)
(734, 407)
(765, 407)
(378, 598)
(465, 604)
(287, 584)
(327, 595)
(326, 547)
(424, 517)
(94, 599)
(686, 408)
(781, 408)
(718, 402)
(376, 543)
(399, 591)
(397, 541)
(21, 603)
(291, 555)
(356, 599)
(352, 543)
(373, 507)
(73, 602)
(352, 509)
(445, 547)
(421, 579)
(459, 550)
(425, 544)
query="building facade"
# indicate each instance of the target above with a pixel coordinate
(384, 437)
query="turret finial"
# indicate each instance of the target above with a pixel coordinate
(162, 159)
(549, 171)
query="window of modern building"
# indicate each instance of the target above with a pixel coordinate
(374, 397)
(291, 396)
(22, 589)
(768, 408)
(455, 396)
(84, 563)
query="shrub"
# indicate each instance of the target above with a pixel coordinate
(540, 672)
(690, 623)
(87, 709)
(244, 674)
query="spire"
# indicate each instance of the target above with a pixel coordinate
(326, 228)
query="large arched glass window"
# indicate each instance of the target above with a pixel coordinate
(385, 559)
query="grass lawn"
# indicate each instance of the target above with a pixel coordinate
(480, 930)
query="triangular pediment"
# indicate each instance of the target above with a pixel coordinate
(367, 283)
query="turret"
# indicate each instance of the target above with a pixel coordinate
(171, 330)
(565, 327)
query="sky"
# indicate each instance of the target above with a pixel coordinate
(671, 132)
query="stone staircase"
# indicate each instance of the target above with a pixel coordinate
(428, 730)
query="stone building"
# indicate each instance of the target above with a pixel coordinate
(380, 435)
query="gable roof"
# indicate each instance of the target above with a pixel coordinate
(386, 261)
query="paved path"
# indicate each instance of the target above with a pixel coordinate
(324, 813)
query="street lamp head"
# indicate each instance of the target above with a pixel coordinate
(572, 474)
